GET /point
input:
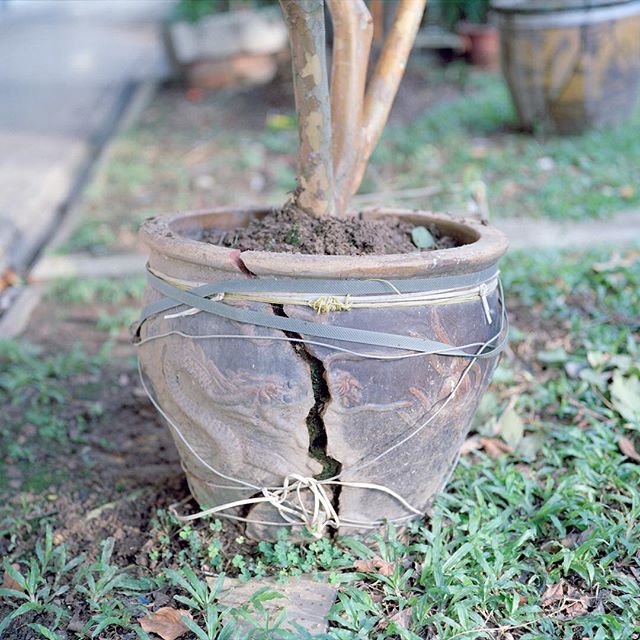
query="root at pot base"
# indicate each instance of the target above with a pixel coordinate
(293, 231)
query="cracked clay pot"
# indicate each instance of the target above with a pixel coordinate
(249, 408)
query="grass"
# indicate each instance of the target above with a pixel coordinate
(541, 542)
(52, 398)
(240, 150)
(117, 298)
(473, 137)
(34, 391)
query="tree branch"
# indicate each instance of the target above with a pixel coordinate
(352, 35)
(305, 22)
(386, 79)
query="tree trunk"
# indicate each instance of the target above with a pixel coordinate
(353, 32)
(386, 79)
(305, 22)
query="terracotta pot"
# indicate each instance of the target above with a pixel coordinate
(482, 44)
(261, 409)
(571, 65)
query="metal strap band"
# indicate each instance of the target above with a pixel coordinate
(197, 299)
(334, 287)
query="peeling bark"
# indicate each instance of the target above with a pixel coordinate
(305, 22)
(353, 32)
(386, 79)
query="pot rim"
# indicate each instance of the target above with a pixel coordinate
(167, 237)
(553, 6)
(466, 28)
(578, 13)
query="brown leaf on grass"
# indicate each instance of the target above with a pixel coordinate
(494, 447)
(576, 538)
(402, 618)
(166, 622)
(553, 593)
(469, 445)
(626, 446)
(617, 261)
(627, 191)
(8, 582)
(375, 565)
(510, 425)
(578, 603)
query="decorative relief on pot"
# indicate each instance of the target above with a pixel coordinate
(248, 423)
(347, 389)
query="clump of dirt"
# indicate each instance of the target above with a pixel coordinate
(290, 230)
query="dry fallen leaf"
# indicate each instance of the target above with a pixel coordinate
(494, 447)
(402, 618)
(627, 191)
(166, 622)
(553, 593)
(617, 261)
(469, 445)
(578, 603)
(510, 426)
(626, 446)
(576, 538)
(625, 396)
(8, 582)
(375, 565)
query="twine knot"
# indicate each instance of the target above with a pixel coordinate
(327, 304)
(316, 519)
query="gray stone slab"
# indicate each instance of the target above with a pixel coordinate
(306, 601)
(37, 172)
(87, 266)
(15, 320)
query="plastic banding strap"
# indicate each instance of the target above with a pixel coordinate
(197, 298)
(332, 287)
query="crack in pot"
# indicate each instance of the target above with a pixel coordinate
(314, 421)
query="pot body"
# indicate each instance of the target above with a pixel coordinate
(259, 408)
(571, 66)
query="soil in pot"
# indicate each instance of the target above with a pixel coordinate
(293, 231)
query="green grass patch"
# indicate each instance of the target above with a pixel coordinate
(473, 137)
(35, 396)
(541, 542)
(97, 290)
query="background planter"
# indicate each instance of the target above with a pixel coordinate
(571, 65)
(223, 49)
(482, 44)
(250, 407)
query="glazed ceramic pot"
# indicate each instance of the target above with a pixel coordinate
(571, 65)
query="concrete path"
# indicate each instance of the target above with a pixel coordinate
(620, 230)
(68, 67)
